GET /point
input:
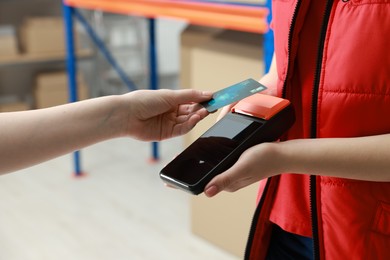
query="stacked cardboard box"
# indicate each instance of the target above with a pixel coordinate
(42, 35)
(14, 106)
(8, 42)
(51, 89)
(212, 59)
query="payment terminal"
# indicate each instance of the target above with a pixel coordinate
(256, 119)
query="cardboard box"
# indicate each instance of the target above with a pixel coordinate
(42, 35)
(51, 89)
(212, 59)
(15, 106)
(8, 42)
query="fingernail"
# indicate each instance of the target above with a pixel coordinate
(207, 93)
(211, 191)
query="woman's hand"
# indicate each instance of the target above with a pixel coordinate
(31, 137)
(255, 164)
(356, 158)
(162, 114)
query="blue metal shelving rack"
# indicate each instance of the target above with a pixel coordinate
(70, 13)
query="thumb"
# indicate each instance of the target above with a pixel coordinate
(230, 180)
(192, 95)
(218, 184)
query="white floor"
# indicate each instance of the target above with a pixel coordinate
(120, 210)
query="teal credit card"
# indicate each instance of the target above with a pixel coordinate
(233, 94)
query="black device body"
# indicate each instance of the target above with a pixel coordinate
(221, 146)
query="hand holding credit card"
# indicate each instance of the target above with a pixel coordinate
(233, 94)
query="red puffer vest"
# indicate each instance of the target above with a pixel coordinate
(351, 98)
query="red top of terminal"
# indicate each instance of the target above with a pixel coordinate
(261, 106)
